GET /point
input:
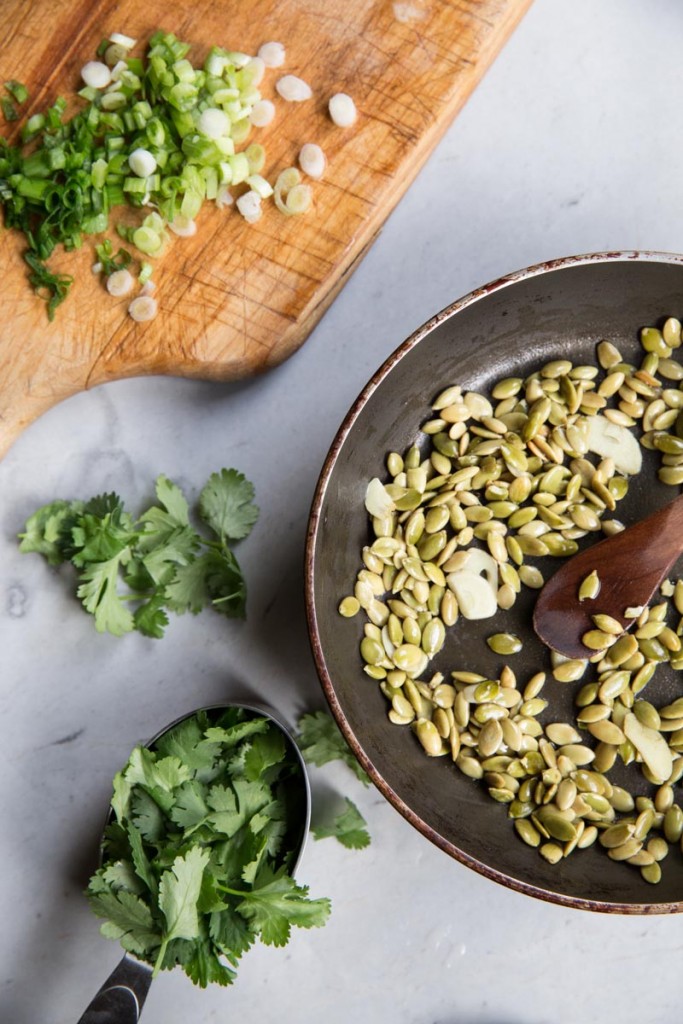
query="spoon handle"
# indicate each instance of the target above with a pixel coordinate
(122, 996)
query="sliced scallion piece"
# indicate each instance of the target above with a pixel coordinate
(17, 89)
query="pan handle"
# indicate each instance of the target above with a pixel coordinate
(122, 996)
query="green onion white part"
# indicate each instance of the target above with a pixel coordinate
(224, 197)
(184, 227)
(272, 54)
(119, 39)
(249, 205)
(293, 89)
(312, 160)
(256, 69)
(96, 74)
(262, 113)
(142, 162)
(120, 283)
(342, 110)
(213, 123)
(143, 308)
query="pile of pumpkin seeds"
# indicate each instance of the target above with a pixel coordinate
(511, 476)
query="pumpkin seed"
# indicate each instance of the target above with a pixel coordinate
(606, 732)
(607, 624)
(429, 737)
(371, 651)
(349, 606)
(433, 637)
(551, 852)
(531, 576)
(569, 671)
(590, 586)
(616, 835)
(562, 734)
(673, 824)
(597, 640)
(526, 832)
(651, 873)
(504, 643)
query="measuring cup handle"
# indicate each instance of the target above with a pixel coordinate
(122, 996)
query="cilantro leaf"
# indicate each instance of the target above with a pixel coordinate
(264, 752)
(143, 867)
(165, 552)
(146, 815)
(179, 891)
(48, 531)
(225, 816)
(120, 800)
(98, 539)
(99, 595)
(349, 827)
(321, 741)
(252, 868)
(173, 501)
(204, 967)
(121, 874)
(231, 933)
(276, 903)
(164, 773)
(226, 505)
(252, 796)
(190, 808)
(129, 919)
(150, 618)
(227, 590)
(187, 591)
(104, 505)
(190, 744)
(231, 735)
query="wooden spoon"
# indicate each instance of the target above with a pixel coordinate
(630, 566)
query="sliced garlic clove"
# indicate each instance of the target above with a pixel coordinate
(378, 503)
(475, 596)
(651, 746)
(612, 440)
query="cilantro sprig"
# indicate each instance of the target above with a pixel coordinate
(132, 573)
(198, 857)
(347, 825)
(320, 741)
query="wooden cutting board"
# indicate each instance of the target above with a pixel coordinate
(237, 298)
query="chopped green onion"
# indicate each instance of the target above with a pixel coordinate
(33, 126)
(113, 101)
(290, 196)
(9, 111)
(256, 155)
(157, 131)
(239, 166)
(298, 199)
(259, 184)
(146, 270)
(98, 173)
(17, 89)
(43, 280)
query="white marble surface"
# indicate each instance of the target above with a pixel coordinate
(571, 144)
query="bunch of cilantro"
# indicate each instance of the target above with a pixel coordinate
(162, 561)
(197, 860)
